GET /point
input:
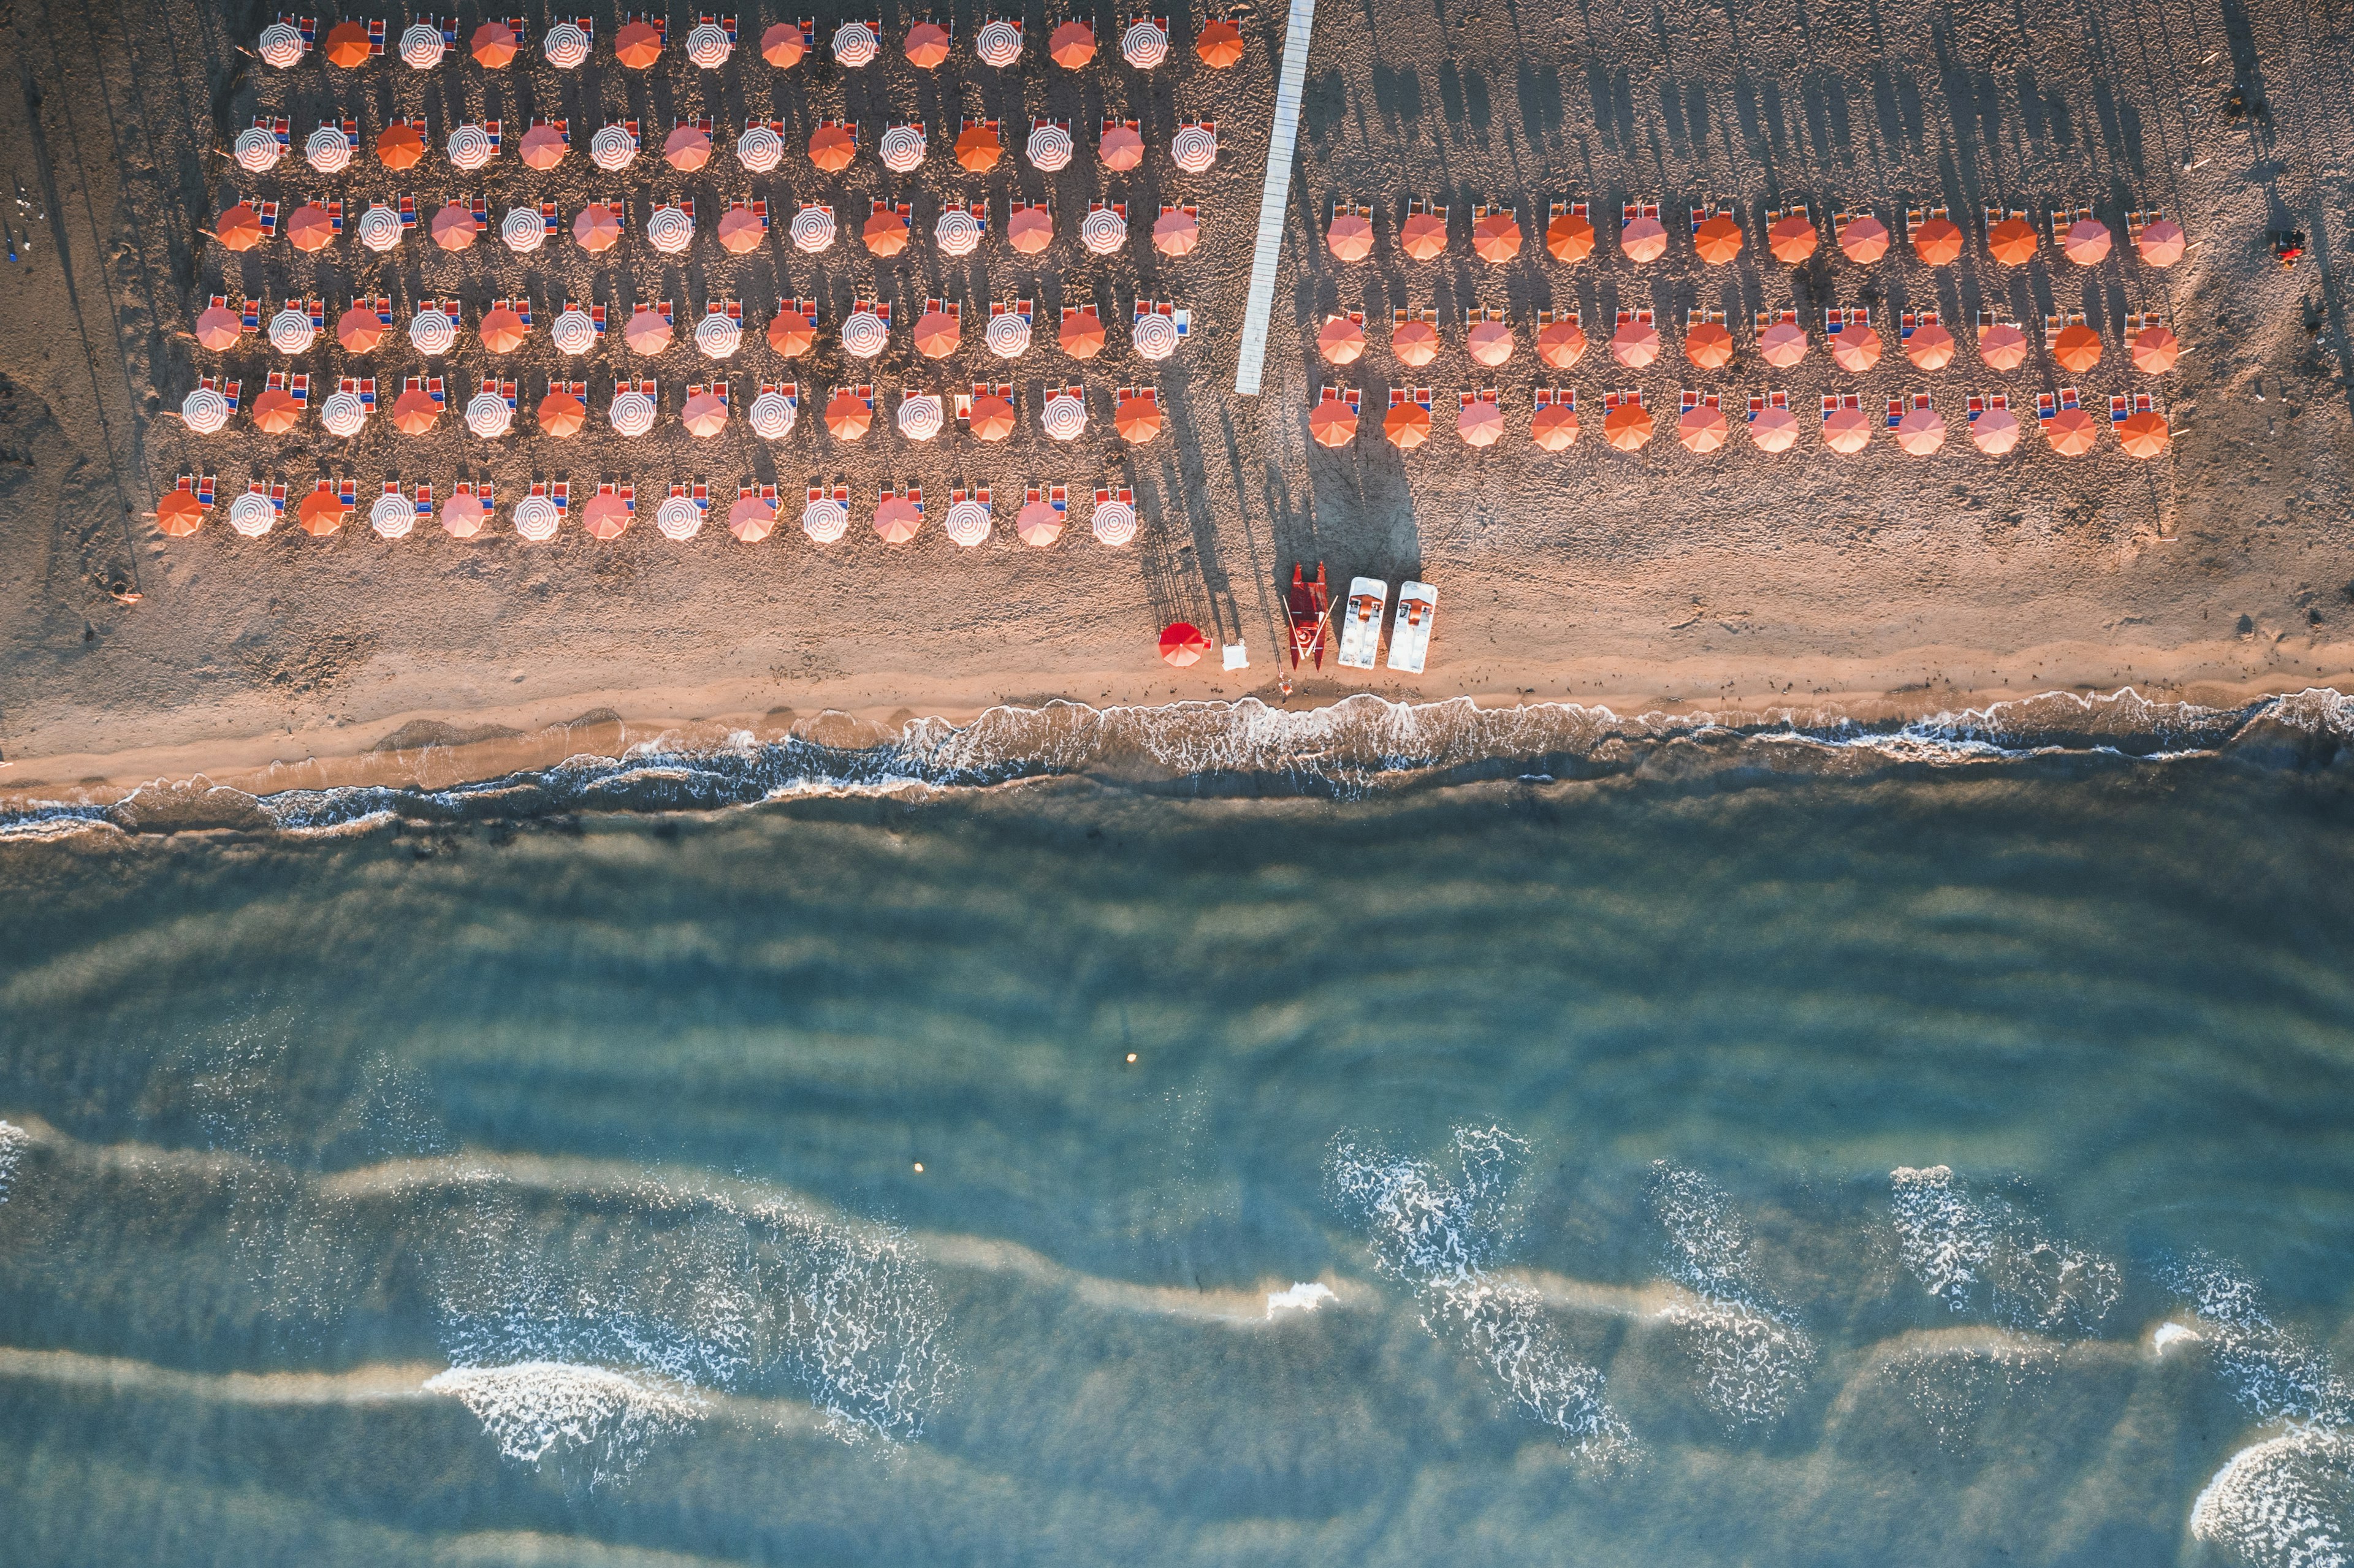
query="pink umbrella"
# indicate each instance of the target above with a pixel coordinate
(1038, 524)
(1856, 350)
(453, 226)
(1864, 239)
(1995, 432)
(740, 231)
(647, 332)
(1030, 229)
(1920, 432)
(1481, 424)
(1931, 347)
(705, 415)
(897, 520)
(1847, 431)
(1782, 345)
(1701, 428)
(2002, 346)
(605, 517)
(1122, 148)
(1560, 342)
(1635, 344)
(1773, 431)
(2162, 243)
(543, 147)
(751, 519)
(1174, 233)
(219, 327)
(1643, 239)
(2086, 243)
(597, 227)
(1489, 342)
(688, 148)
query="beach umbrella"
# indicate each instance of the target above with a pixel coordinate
(1489, 342)
(1029, 229)
(831, 147)
(1782, 345)
(978, 148)
(605, 517)
(275, 412)
(1480, 424)
(1701, 428)
(927, 46)
(2155, 351)
(1175, 232)
(1792, 239)
(637, 44)
(1570, 237)
(1220, 45)
(2086, 243)
(414, 411)
(1182, 643)
(494, 46)
(1864, 240)
(1995, 432)
(1560, 344)
(1847, 431)
(2078, 348)
(1496, 237)
(1920, 432)
(1332, 423)
(1414, 344)
(783, 45)
(453, 226)
(1628, 427)
(885, 233)
(1931, 347)
(320, 513)
(2162, 243)
(503, 331)
(598, 228)
(1121, 148)
(1709, 344)
(991, 418)
(1341, 340)
(1937, 242)
(791, 332)
(239, 226)
(2012, 242)
(751, 519)
(399, 147)
(1406, 425)
(1717, 239)
(740, 231)
(347, 45)
(897, 519)
(1350, 237)
(310, 228)
(178, 514)
(219, 327)
(359, 329)
(2002, 346)
(1856, 350)
(937, 334)
(705, 415)
(1635, 345)
(2145, 434)
(1038, 524)
(465, 516)
(1082, 335)
(847, 415)
(543, 147)
(1554, 428)
(688, 148)
(561, 415)
(2072, 432)
(1773, 431)
(647, 332)
(1423, 236)
(1138, 419)
(1073, 45)
(1643, 239)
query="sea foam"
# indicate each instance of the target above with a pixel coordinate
(13, 1143)
(1977, 1252)
(1753, 1357)
(537, 1411)
(1298, 1298)
(2273, 1372)
(2287, 1502)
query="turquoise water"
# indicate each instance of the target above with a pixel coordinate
(1702, 1164)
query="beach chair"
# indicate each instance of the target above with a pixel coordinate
(2047, 404)
(2059, 321)
(1360, 622)
(1410, 633)
(1835, 401)
(1910, 320)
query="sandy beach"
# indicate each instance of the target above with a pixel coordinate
(1872, 586)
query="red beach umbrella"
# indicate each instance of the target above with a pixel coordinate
(1628, 427)
(1341, 340)
(1350, 237)
(2086, 243)
(359, 329)
(978, 149)
(1709, 345)
(275, 412)
(2078, 348)
(751, 519)
(561, 415)
(847, 415)
(704, 416)
(927, 46)
(897, 519)
(1643, 239)
(1175, 232)
(937, 334)
(1423, 236)
(414, 411)
(1496, 237)
(1030, 230)
(1561, 342)
(605, 517)
(1782, 345)
(239, 228)
(179, 514)
(219, 327)
(310, 228)
(502, 330)
(688, 148)
(792, 333)
(1414, 344)
(1071, 46)
(1570, 237)
(1635, 344)
(740, 231)
(1701, 428)
(320, 513)
(1920, 432)
(598, 228)
(2162, 243)
(543, 147)
(1138, 419)
(1847, 431)
(991, 419)
(1220, 45)
(1773, 431)
(2144, 435)
(1995, 432)
(1121, 148)
(2155, 351)
(1792, 239)
(1082, 336)
(1489, 342)
(1332, 423)
(453, 226)
(1038, 524)
(1717, 239)
(648, 332)
(347, 45)
(637, 44)
(1864, 240)
(1937, 242)
(2012, 242)
(1480, 424)
(831, 147)
(2072, 432)
(2002, 346)
(1931, 347)
(494, 46)
(1406, 425)
(885, 233)
(1183, 644)
(1554, 428)
(783, 45)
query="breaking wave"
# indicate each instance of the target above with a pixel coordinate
(1753, 1357)
(1438, 1231)
(1983, 1253)
(604, 1421)
(2273, 1372)
(13, 1141)
(2284, 1503)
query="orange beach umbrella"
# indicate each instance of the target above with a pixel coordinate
(783, 45)
(1489, 342)
(1560, 342)
(1406, 425)
(1995, 432)
(1423, 236)
(1220, 45)
(1554, 428)
(897, 519)
(1138, 419)
(1856, 350)
(1038, 524)
(1030, 230)
(831, 147)
(2072, 432)
(937, 334)
(359, 329)
(321, 513)
(453, 226)
(2012, 242)
(275, 412)
(991, 419)
(2155, 351)
(647, 332)
(1182, 644)
(347, 45)
(2086, 243)
(637, 44)
(2144, 435)
(1341, 340)
(1937, 242)
(503, 331)
(605, 517)
(1082, 336)
(978, 149)
(688, 148)
(1792, 239)
(310, 228)
(2078, 348)
(847, 415)
(1847, 431)
(751, 519)
(1931, 347)
(1332, 422)
(885, 233)
(543, 147)
(791, 332)
(1121, 148)
(740, 231)
(178, 514)
(1920, 432)
(1570, 237)
(2162, 243)
(1717, 239)
(1628, 427)
(239, 226)
(598, 228)
(399, 147)
(1496, 237)
(1773, 431)
(1350, 237)
(494, 46)
(1174, 233)
(1414, 344)
(561, 415)
(927, 46)
(414, 411)
(1635, 345)
(1709, 345)
(463, 516)
(1071, 46)
(705, 415)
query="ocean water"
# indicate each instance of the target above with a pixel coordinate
(1394, 1139)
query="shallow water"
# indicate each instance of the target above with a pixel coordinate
(1715, 1166)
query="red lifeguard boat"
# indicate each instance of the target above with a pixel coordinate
(1309, 607)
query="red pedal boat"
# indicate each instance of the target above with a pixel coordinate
(1309, 607)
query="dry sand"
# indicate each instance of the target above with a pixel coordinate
(1874, 585)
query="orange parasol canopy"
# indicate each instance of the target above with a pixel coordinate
(543, 147)
(1560, 342)
(561, 415)
(1782, 345)
(2144, 435)
(1138, 419)
(1920, 432)
(275, 412)
(1937, 242)
(831, 147)
(1995, 432)
(1628, 427)
(1701, 428)
(1496, 237)
(1856, 350)
(1717, 239)
(783, 45)
(321, 513)
(2078, 348)
(1931, 347)
(239, 228)
(1332, 423)
(897, 519)
(494, 46)
(1864, 240)
(1792, 239)
(1082, 336)
(637, 44)
(1071, 46)
(359, 329)
(1038, 524)
(1176, 232)
(2155, 351)
(1406, 425)
(2012, 242)
(502, 330)
(1415, 344)
(978, 148)
(937, 334)
(751, 519)
(453, 226)
(1570, 237)
(847, 415)
(1030, 229)
(740, 231)
(1489, 342)
(2002, 346)
(991, 419)
(2162, 243)
(1635, 344)
(688, 148)
(648, 332)
(1773, 431)
(1220, 45)
(1554, 428)
(1350, 237)
(1709, 345)
(1121, 148)
(2072, 432)
(1182, 644)
(1341, 340)
(399, 147)
(927, 46)
(309, 227)
(886, 233)
(1847, 431)
(705, 415)
(599, 227)
(1480, 424)
(2086, 243)
(219, 327)
(178, 514)
(605, 517)
(1643, 239)
(414, 411)
(347, 45)
(1423, 236)
(791, 332)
